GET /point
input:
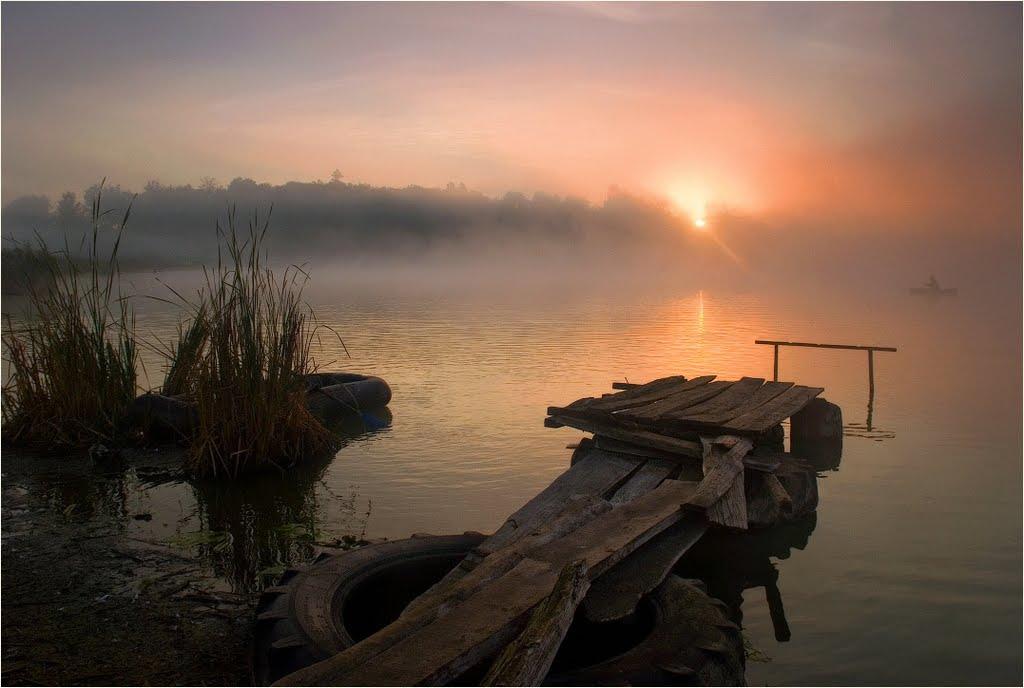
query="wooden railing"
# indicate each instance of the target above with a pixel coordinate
(855, 347)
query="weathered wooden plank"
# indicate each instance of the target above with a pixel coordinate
(727, 465)
(477, 627)
(775, 411)
(737, 393)
(642, 437)
(721, 456)
(605, 540)
(761, 462)
(731, 510)
(762, 396)
(527, 659)
(458, 584)
(654, 389)
(597, 474)
(640, 395)
(646, 478)
(616, 593)
(626, 385)
(678, 401)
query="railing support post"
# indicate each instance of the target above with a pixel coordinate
(871, 373)
(775, 374)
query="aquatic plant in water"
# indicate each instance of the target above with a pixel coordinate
(72, 362)
(242, 358)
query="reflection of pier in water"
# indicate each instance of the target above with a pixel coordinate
(732, 563)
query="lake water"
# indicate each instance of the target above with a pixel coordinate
(911, 572)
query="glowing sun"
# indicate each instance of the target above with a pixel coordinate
(700, 223)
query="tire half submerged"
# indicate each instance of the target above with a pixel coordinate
(679, 636)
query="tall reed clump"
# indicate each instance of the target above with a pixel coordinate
(242, 359)
(72, 362)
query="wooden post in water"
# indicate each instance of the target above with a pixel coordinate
(871, 373)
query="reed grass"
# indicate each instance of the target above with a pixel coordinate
(242, 359)
(72, 362)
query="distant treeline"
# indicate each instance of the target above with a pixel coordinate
(175, 224)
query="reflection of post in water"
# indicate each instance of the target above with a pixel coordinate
(732, 563)
(871, 406)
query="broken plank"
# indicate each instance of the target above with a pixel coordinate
(737, 393)
(642, 437)
(615, 594)
(729, 510)
(775, 411)
(527, 659)
(646, 478)
(718, 477)
(678, 401)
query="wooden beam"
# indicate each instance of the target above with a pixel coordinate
(527, 659)
(642, 437)
(772, 342)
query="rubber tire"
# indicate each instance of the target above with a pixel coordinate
(301, 620)
(688, 638)
(692, 642)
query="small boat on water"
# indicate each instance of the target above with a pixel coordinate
(933, 288)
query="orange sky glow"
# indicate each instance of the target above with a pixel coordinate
(889, 114)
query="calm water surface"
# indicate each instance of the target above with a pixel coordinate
(911, 573)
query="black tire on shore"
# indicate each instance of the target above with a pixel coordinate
(679, 635)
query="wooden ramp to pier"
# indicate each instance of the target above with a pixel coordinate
(605, 532)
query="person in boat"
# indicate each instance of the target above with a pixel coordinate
(932, 283)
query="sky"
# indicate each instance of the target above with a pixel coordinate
(897, 117)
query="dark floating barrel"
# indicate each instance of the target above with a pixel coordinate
(817, 434)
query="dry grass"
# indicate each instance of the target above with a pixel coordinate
(72, 364)
(242, 358)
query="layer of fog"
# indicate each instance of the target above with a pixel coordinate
(350, 236)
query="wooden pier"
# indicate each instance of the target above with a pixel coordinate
(668, 460)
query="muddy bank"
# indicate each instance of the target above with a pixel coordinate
(129, 574)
